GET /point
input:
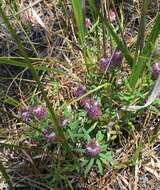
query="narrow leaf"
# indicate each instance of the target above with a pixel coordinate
(89, 166)
(154, 94)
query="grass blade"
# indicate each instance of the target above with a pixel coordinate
(79, 16)
(146, 53)
(141, 32)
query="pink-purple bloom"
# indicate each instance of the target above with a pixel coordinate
(94, 111)
(111, 16)
(39, 111)
(63, 121)
(156, 70)
(104, 64)
(49, 135)
(87, 102)
(88, 23)
(80, 91)
(93, 148)
(26, 115)
(117, 58)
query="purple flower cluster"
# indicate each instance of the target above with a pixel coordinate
(49, 135)
(93, 148)
(80, 91)
(94, 111)
(38, 111)
(117, 58)
(26, 115)
(106, 62)
(92, 107)
(156, 70)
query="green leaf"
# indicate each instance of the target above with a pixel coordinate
(71, 135)
(99, 165)
(79, 16)
(92, 127)
(99, 136)
(85, 162)
(89, 166)
(86, 135)
(107, 156)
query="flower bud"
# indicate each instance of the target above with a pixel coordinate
(49, 135)
(39, 111)
(104, 64)
(117, 58)
(111, 16)
(80, 91)
(26, 115)
(93, 148)
(87, 102)
(155, 70)
(63, 121)
(88, 23)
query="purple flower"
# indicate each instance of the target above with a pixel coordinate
(39, 111)
(93, 148)
(49, 135)
(155, 70)
(111, 16)
(87, 102)
(26, 115)
(88, 23)
(104, 64)
(117, 58)
(80, 91)
(63, 121)
(94, 111)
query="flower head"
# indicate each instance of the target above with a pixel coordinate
(49, 135)
(117, 58)
(26, 115)
(39, 111)
(63, 121)
(94, 111)
(87, 102)
(104, 64)
(111, 16)
(80, 91)
(93, 148)
(88, 23)
(156, 70)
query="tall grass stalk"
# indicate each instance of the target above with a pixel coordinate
(120, 44)
(138, 68)
(78, 8)
(141, 32)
